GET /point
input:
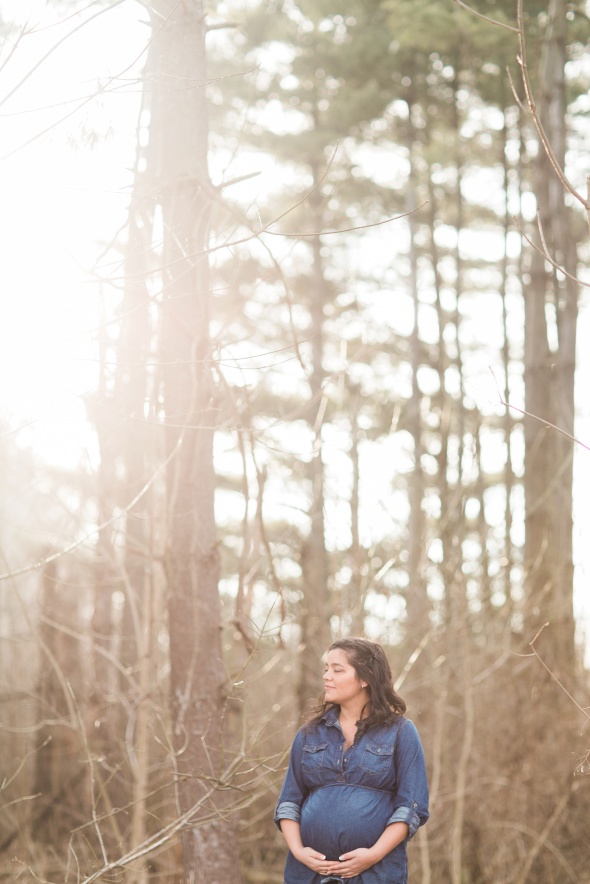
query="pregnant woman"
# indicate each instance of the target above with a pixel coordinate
(356, 789)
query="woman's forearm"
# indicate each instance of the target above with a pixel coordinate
(393, 835)
(311, 858)
(292, 834)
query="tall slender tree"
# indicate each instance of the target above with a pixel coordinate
(551, 305)
(178, 177)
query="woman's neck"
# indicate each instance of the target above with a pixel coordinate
(351, 712)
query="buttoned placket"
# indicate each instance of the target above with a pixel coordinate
(346, 757)
(341, 759)
(342, 754)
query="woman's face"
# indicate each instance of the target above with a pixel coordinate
(341, 683)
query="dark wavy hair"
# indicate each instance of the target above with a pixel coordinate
(371, 666)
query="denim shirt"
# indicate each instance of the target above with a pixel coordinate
(345, 799)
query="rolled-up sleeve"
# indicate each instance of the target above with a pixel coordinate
(293, 792)
(411, 795)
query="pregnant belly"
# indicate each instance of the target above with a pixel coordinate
(339, 818)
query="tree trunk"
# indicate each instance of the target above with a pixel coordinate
(356, 601)
(315, 614)
(550, 347)
(59, 740)
(417, 602)
(178, 154)
(508, 424)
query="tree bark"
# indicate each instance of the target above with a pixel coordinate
(178, 164)
(356, 601)
(417, 602)
(315, 614)
(59, 741)
(549, 380)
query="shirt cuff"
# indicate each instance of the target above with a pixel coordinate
(407, 815)
(287, 810)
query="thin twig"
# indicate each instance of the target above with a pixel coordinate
(491, 21)
(544, 252)
(27, 569)
(536, 654)
(541, 420)
(522, 61)
(347, 229)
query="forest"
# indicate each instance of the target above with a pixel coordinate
(292, 335)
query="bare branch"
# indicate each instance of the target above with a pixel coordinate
(27, 569)
(541, 420)
(347, 229)
(54, 48)
(542, 839)
(491, 21)
(544, 252)
(552, 674)
(522, 61)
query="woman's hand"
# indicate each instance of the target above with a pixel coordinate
(307, 856)
(314, 860)
(354, 862)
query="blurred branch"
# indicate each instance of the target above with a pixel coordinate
(27, 569)
(535, 653)
(491, 21)
(25, 31)
(546, 144)
(521, 59)
(542, 840)
(164, 835)
(541, 420)
(526, 830)
(347, 229)
(411, 660)
(265, 229)
(82, 104)
(544, 252)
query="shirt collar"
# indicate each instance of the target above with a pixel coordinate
(330, 717)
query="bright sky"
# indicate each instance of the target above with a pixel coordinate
(62, 198)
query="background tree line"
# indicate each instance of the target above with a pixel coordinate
(330, 239)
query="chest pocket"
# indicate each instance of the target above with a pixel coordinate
(313, 756)
(376, 759)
